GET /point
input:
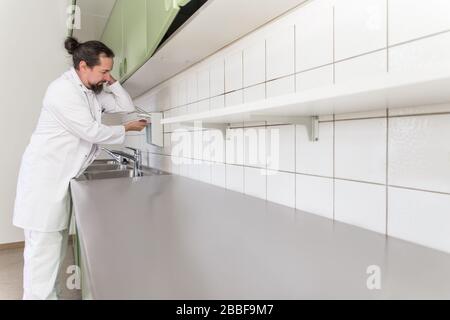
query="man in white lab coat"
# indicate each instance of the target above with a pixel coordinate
(63, 144)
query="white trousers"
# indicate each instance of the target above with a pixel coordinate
(43, 258)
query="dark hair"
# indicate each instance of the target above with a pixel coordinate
(88, 51)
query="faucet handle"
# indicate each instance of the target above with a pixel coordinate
(133, 149)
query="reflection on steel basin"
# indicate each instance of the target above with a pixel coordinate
(122, 172)
(105, 167)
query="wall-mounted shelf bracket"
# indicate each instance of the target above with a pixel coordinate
(310, 122)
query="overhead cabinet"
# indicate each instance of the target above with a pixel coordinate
(135, 29)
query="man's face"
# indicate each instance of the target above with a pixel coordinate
(99, 74)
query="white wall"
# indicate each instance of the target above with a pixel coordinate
(386, 171)
(31, 56)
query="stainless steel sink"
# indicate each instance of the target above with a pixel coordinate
(107, 169)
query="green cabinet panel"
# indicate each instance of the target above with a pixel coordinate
(160, 14)
(135, 29)
(135, 35)
(113, 38)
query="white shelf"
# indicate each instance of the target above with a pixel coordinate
(371, 94)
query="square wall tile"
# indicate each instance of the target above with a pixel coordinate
(254, 64)
(362, 68)
(421, 57)
(419, 152)
(360, 27)
(314, 195)
(234, 146)
(255, 182)
(412, 19)
(192, 87)
(280, 53)
(360, 150)
(235, 178)
(182, 92)
(428, 109)
(217, 78)
(203, 84)
(361, 204)
(203, 105)
(213, 146)
(233, 72)
(314, 35)
(280, 147)
(234, 98)
(315, 157)
(255, 93)
(255, 147)
(204, 171)
(281, 86)
(197, 144)
(281, 188)
(362, 115)
(218, 174)
(217, 102)
(320, 77)
(420, 217)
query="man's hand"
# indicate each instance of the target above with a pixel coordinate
(136, 125)
(110, 80)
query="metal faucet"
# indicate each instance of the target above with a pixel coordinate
(121, 158)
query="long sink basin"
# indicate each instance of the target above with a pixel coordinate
(109, 169)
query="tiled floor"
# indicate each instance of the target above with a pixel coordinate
(11, 265)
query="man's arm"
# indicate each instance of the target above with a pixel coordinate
(115, 99)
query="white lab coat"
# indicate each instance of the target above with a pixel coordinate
(63, 144)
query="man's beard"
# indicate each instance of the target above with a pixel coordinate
(97, 88)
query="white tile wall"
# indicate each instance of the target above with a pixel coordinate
(361, 204)
(360, 27)
(217, 102)
(320, 77)
(192, 88)
(314, 35)
(314, 194)
(281, 86)
(352, 147)
(255, 182)
(423, 56)
(218, 174)
(234, 146)
(419, 152)
(255, 93)
(315, 157)
(280, 53)
(203, 84)
(203, 105)
(281, 188)
(254, 64)
(233, 72)
(421, 217)
(255, 147)
(234, 98)
(412, 19)
(361, 68)
(235, 178)
(360, 150)
(280, 146)
(217, 78)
